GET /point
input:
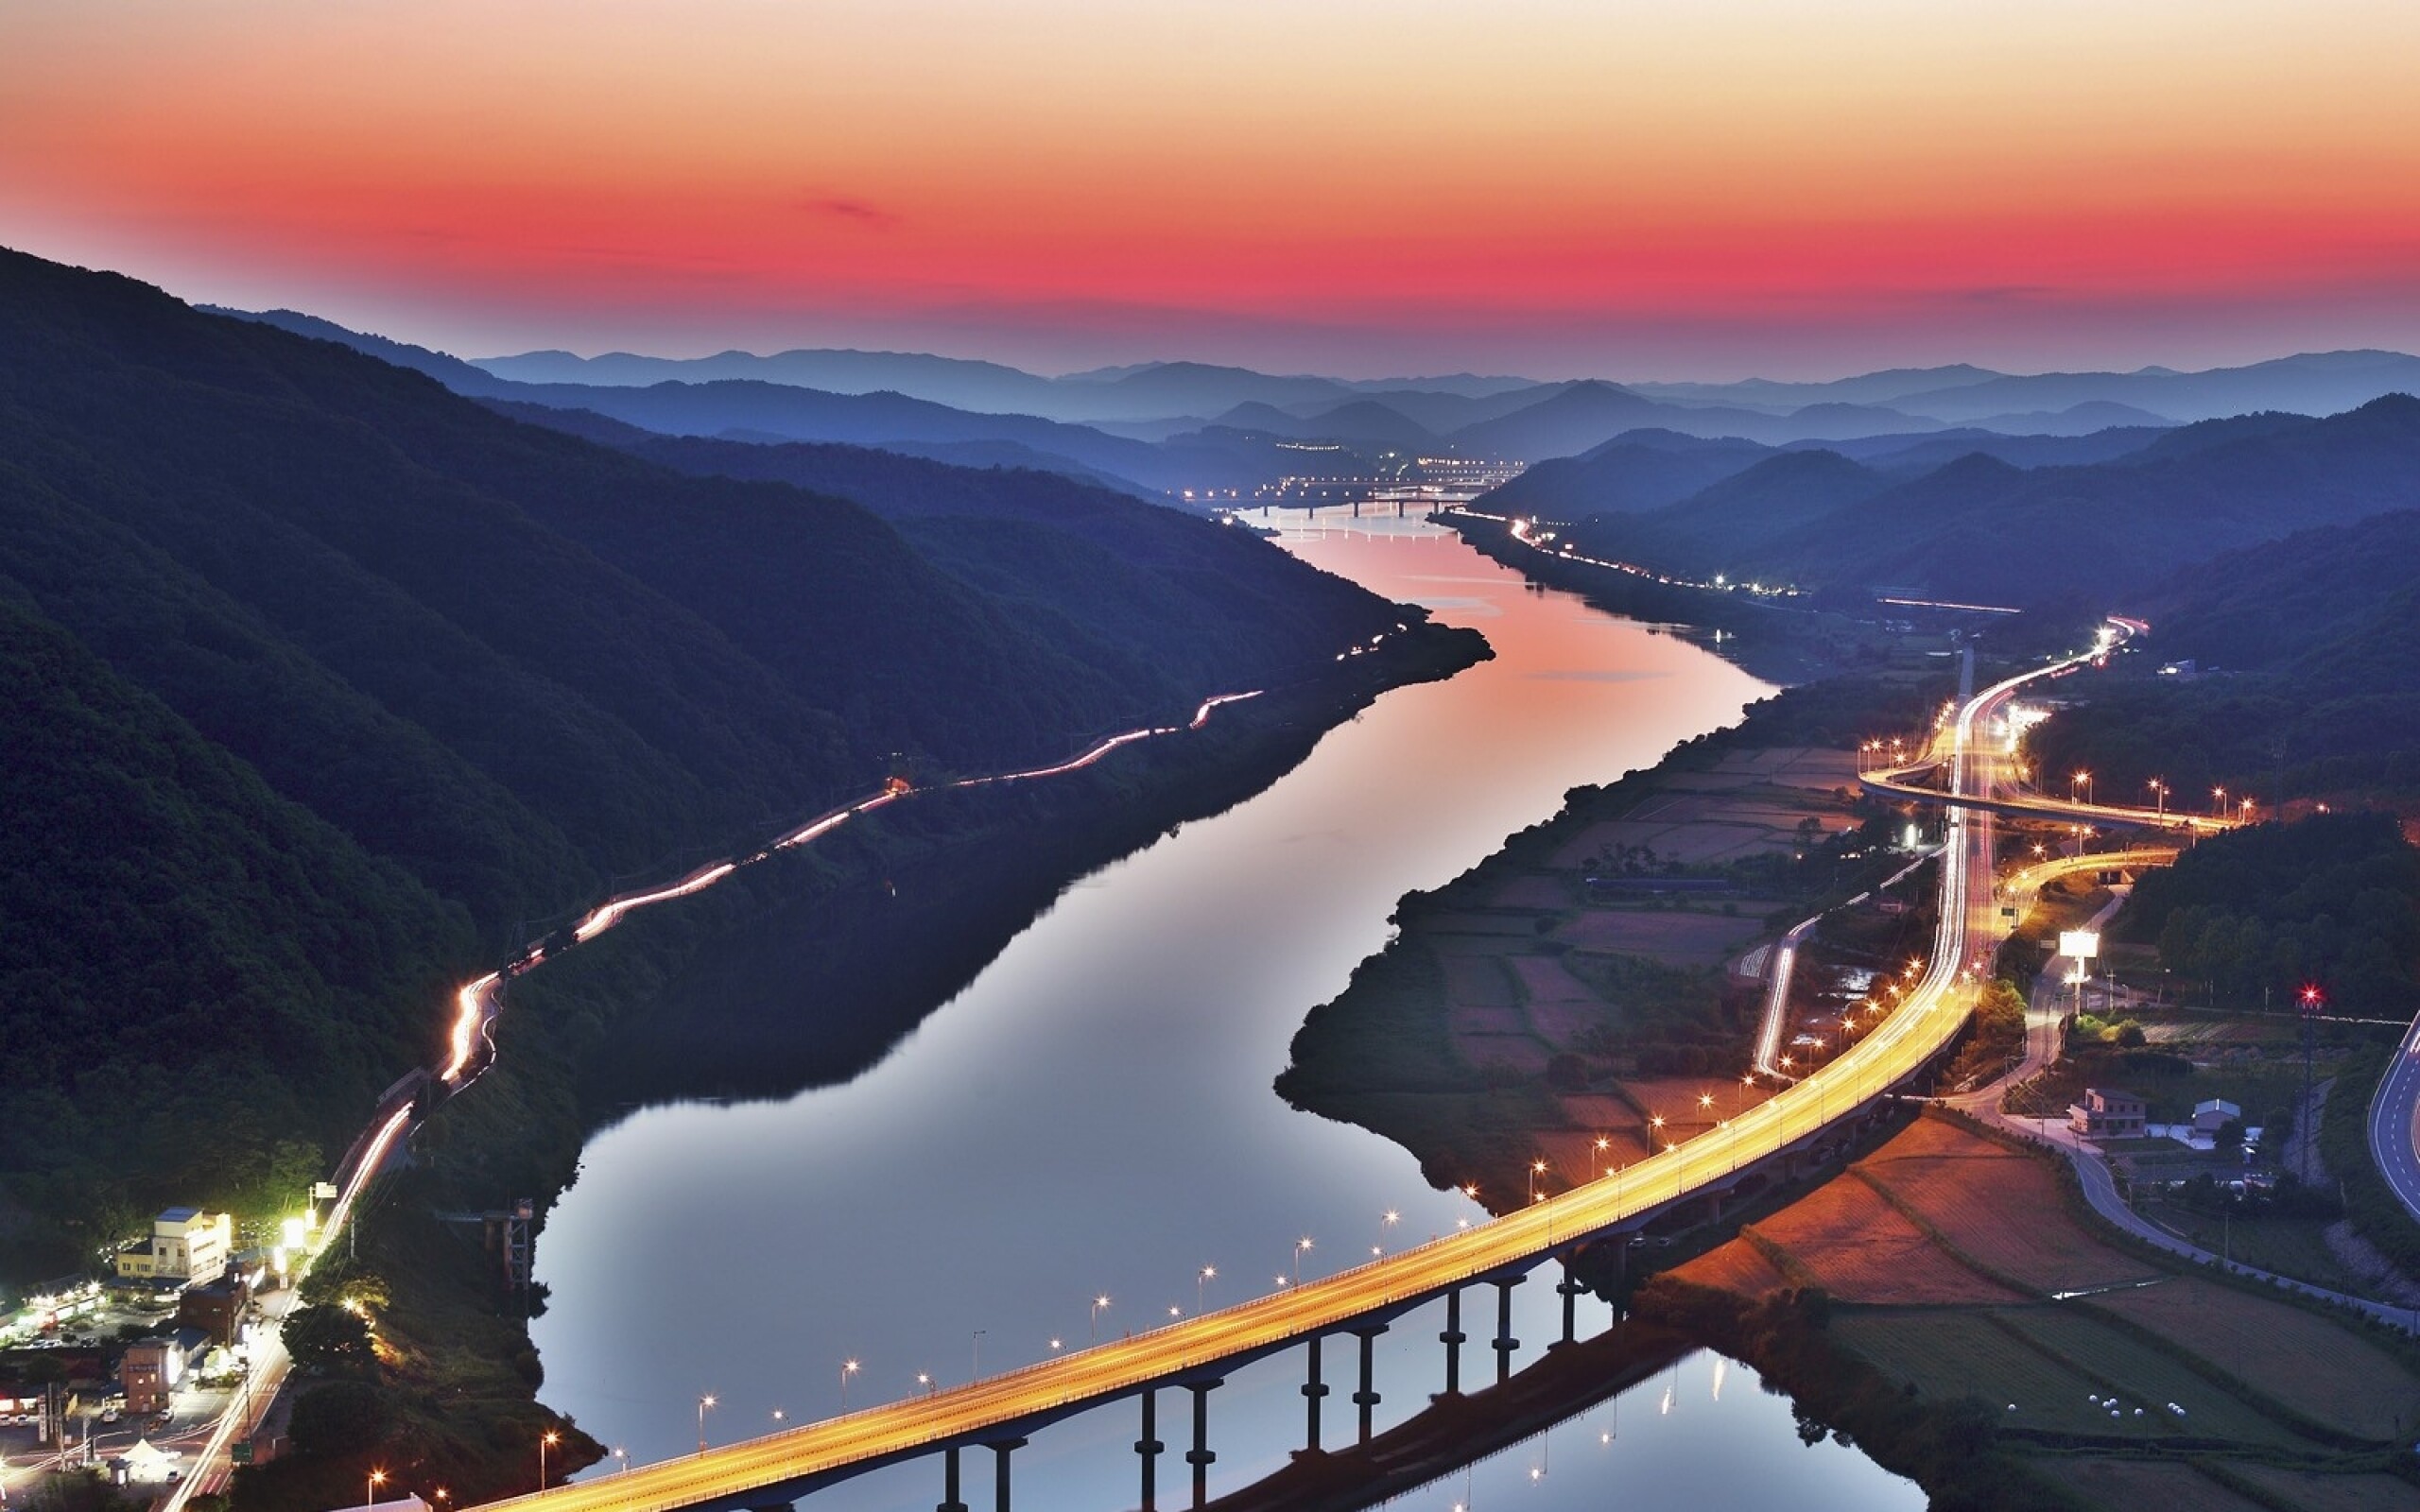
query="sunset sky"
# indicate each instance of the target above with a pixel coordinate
(1690, 188)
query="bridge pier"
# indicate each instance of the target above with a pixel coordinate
(1198, 1456)
(1000, 1449)
(1505, 1342)
(1312, 1391)
(1367, 1397)
(951, 1501)
(1570, 1290)
(1148, 1446)
(1452, 1339)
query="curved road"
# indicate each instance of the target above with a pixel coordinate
(785, 1464)
(2394, 1122)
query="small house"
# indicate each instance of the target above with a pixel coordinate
(2107, 1114)
(2214, 1114)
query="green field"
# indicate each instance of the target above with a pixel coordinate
(2051, 1361)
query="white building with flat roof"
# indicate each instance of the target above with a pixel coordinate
(187, 1244)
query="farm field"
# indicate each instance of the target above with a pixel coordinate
(2315, 1492)
(1904, 1302)
(1948, 1353)
(1861, 1249)
(2310, 1364)
(2001, 1207)
(2148, 1486)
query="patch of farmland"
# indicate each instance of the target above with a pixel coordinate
(2146, 1486)
(1477, 981)
(1677, 938)
(1737, 1267)
(2149, 1378)
(1861, 1249)
(2008, 1213)
(2309, 1363)
(2317, 1492)
(1956, 1354)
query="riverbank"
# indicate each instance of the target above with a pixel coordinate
(1781, 642)
(796, 973)
(1578, 996)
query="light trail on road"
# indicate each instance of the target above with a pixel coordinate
(476, 1004)
(1010, 1403)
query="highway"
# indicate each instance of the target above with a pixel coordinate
(2394, 1122)
(1010, 1404)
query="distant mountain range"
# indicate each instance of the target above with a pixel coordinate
(1162, 429)
(2017, 520)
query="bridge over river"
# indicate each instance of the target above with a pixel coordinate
(1192, 1356)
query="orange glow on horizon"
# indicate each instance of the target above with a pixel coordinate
(1496, 182)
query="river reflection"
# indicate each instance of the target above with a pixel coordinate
(1093, 1115)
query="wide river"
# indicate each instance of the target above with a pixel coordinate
(1092, 1117)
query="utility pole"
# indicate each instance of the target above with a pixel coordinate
(2311, 1003)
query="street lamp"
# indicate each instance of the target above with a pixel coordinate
(2159, 796)
(2217, 803)
(780, 1416)
(1301, 1245)
(2080, 784)
(546, 1441)
(1099, 1302)
(848, 1368)
(1202, 1278)
(1537, 1169)
(925, 1380)
(703, 1404)
(377, 1479)
(1389, 1220)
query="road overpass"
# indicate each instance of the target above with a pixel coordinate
(1193, 1356)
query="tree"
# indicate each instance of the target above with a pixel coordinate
(329, 1341)
(342, 1418)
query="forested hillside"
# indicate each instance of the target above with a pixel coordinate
(1978, 527)
(325, 683)
(2308, 681)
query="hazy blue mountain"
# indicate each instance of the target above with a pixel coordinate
(1980, 527)
(986, 387)
(2311, 384)
(1565, 422)
(2076, 420)
(1369, 422)
(1884, 388)
(1636, 471)
(1910, 454)
(1832, 420)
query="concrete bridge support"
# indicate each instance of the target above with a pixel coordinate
(951, 1500)
(1367, 1397)
(1570, 1290)
(1148, 1446)
(1505, 1342)
(1452, 1339)
(1198, 1456)
(1313, 1390)
(1001, 1449)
